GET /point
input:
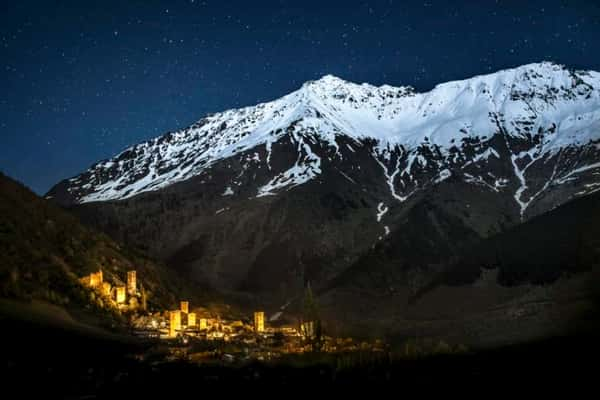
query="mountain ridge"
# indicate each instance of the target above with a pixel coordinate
(395, 117)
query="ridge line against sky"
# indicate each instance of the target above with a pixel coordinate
(84, 80)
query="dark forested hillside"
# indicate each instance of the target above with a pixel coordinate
(561, 242)
(45, 251)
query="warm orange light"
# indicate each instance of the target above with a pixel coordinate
(191, 319)
(93, 280)
(106, 288)
(131, 283)
(120, 294)
(174, 322)
(203, 323)
(259, 321)
(184, 306)
(308, 329)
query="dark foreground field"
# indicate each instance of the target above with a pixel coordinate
(54, 362)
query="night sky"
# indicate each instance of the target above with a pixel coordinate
(83, 80)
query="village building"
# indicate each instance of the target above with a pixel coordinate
(106, 288)
(120, 294)
(131, 283)
(93, 280)
(184, 306)
(203, 324)
(259, 321)
(174, 322)
(191, 319)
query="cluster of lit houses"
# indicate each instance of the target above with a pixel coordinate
(180, 322)
(256, 336)
(122, 294)
(183, 324)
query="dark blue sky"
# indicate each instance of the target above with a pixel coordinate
(82, 80)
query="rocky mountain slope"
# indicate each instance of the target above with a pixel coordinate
(262, 199)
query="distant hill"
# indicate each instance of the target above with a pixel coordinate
(442, 250)
(435, 277)
(561, 242)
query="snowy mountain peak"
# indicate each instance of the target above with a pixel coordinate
(326, 80)
(535, 109)
(333, 87)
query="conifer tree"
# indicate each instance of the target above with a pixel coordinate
(311, 314)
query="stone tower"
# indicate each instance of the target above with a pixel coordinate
(131, 283)
(259, 321)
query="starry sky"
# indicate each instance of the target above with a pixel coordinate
(83, 80)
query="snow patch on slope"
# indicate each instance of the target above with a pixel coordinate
(307, 166)
(381, 210)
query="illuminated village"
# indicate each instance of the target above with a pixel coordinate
(221, 339)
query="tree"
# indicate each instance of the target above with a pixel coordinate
(144, 299)
(311, 315)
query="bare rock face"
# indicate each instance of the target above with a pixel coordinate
(304, 188)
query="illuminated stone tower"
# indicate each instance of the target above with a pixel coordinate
(184, 306)
(191, 319)
(259, 321)
(174, 322)
(203, 323)
(131, 283)
(106, 288)
(96, 279)
(120, 294)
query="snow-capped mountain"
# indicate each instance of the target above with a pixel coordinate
(267, 195)
(542, 111)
